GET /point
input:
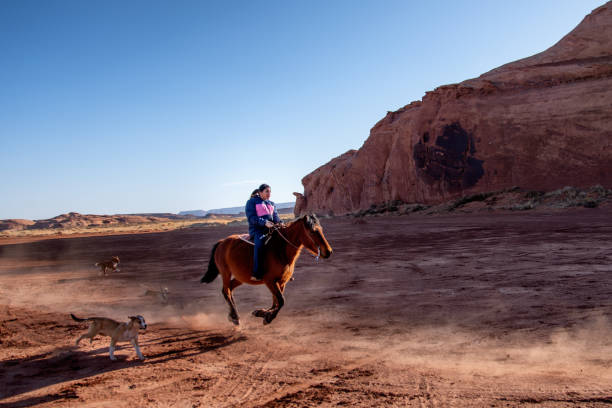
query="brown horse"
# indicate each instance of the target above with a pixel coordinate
(233, 257)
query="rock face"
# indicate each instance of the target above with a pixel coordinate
(540, 123)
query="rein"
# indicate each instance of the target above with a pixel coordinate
(277, 229)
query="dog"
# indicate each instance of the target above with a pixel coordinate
(160, 296)
(117, 331)
(112, 265)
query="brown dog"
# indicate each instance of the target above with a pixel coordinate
(117, 331)
(112, 265)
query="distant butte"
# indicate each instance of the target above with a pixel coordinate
(540, 123)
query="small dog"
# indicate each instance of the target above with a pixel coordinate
(160, 296)
(117, 331)
(112, 265)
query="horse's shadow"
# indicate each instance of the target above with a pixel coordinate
(19, 376)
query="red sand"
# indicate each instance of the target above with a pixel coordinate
(462, 310)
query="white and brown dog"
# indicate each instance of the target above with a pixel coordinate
(117, 331)
(105, 265)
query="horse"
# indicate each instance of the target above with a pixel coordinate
(232, 257)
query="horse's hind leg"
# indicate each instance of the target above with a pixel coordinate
(233, 315)
(229, 298)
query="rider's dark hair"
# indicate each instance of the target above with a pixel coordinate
(255, 193)
(263, 187)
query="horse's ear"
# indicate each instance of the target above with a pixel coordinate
(313, 220)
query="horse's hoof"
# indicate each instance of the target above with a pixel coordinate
(268, 319)
(236, 321)
(259, 313)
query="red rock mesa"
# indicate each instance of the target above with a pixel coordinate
(540, 123)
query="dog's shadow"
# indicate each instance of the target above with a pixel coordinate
(19, 376)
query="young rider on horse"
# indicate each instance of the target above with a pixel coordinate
(261, 214)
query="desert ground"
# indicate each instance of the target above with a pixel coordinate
(504, 309)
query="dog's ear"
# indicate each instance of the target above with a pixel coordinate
(132, 317)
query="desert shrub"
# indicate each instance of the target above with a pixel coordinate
(410, 208)
(528, 205)
(534, 194)
(468, 199)
(567, 191)
(599, 191)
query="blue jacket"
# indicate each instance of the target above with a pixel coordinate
(259, 211)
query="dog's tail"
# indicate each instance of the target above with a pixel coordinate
(77, 318)
(212, 271)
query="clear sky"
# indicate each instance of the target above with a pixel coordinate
(161, 106)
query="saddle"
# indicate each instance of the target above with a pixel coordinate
(246, 238)
(249, 239)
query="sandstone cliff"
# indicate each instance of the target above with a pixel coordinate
(540, 123)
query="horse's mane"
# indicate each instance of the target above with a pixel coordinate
(310, 220)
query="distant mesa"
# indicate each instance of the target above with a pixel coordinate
(15, 224)
(73, 220)
(76, 220)
(281, 207)
(541, 123)
(195, 213)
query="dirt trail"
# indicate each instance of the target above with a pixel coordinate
(463, 310)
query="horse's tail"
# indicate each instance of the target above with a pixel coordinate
(212, 271)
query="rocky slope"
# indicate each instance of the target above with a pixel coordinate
(540, 123)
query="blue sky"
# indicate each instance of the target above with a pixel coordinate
(161, 106)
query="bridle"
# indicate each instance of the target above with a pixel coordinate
(277, 229)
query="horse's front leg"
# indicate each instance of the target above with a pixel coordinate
(263, 312)
(278, 302)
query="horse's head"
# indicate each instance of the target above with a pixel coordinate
(313, 239)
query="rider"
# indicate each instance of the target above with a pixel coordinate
(261, 214)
